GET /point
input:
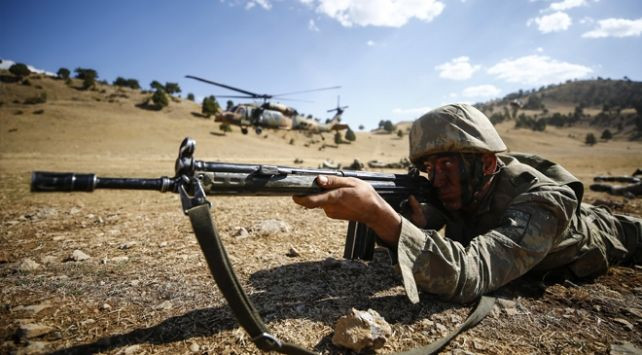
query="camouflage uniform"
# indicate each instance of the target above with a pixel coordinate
(532, 218)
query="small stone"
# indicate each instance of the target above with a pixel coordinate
(165, 306)
(78, 255)
(127, 245)
(88, 322)
(240, 233)
(34, 330)
(28, 265)
(292, 253)
(74, 210)
(271, 227)
(132, 349)
(361, 330)
(624, 348)
(34, 308)
(49, 259)
(105, 307)
(4, 257)
(162, 244)
(36, 347)
(627, 325)
(194, 347)
(114, 232)
(120, 259)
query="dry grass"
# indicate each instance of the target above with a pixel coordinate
(161, 299)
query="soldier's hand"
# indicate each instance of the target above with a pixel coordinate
(417, 216)
(355, 200)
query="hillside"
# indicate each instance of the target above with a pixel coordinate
(615, 105)
(145, 287)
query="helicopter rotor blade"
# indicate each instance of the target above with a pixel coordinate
(251, 94)
(304, 91)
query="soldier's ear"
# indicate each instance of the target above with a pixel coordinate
(489, 161)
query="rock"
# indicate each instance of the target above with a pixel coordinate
(165, 306)
(194, 348)
(356, 165)
(298, 161)
(624, 348)
(293, 253)
(627, 325)
(508, 306)
(34, 308)
(88, 321)
(105, 307)
(240, 233)
(28, 265)
(78, 255)
(134, 349)
(4, 257)
(127, 245)
(36, 347)
(120, 259)
(49, 259)
(270, 227)
(162, 244)
(33, 330)
(74, 210)
(329, 164)
(361, 330)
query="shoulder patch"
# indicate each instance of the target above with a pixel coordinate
(517, 222)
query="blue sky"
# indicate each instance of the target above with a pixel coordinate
(393, 59)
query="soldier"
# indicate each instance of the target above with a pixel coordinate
(504, 214)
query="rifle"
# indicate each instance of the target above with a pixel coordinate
(195, 179)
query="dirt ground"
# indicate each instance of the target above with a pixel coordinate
(145, 287)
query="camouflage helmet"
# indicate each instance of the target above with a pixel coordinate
(453, 128)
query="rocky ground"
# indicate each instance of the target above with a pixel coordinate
(121, 272)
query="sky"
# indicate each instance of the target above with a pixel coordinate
(394, 59)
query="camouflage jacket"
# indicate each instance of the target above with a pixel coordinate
(529, 220)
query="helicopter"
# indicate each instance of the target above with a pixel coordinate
(331, 124)
(265, 115)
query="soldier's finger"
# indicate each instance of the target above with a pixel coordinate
(312, 201)
(333, 182)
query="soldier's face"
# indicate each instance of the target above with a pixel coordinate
(445, 174)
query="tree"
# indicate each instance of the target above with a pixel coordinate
(361, 127)
(83, 73)
(228, 105)
(590, 139)
(337, 138)
(210, 106)
(172, 88)
(350, 136)
(606, 135)
(399, 133)
(388, 126)
(88, 82)
(159, 98)
(63, 73)
(225, 127)
(20, 70)
(190, 96)
(155, 85)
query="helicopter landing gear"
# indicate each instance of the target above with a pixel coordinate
(244, 130)
(258, 130)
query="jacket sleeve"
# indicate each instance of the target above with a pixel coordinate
(532, 224)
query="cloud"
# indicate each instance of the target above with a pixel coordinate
(265, 4)
(537, 69)
(481, 91)
(567, 4)
(616, 27)
(371, 43)
(555, 22)
(457, 69)
(384, 13)
(312, 26)
(411, 111)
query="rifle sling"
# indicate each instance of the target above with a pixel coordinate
(244, 311)
(221, 270)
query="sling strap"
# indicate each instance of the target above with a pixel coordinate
(248, 317)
